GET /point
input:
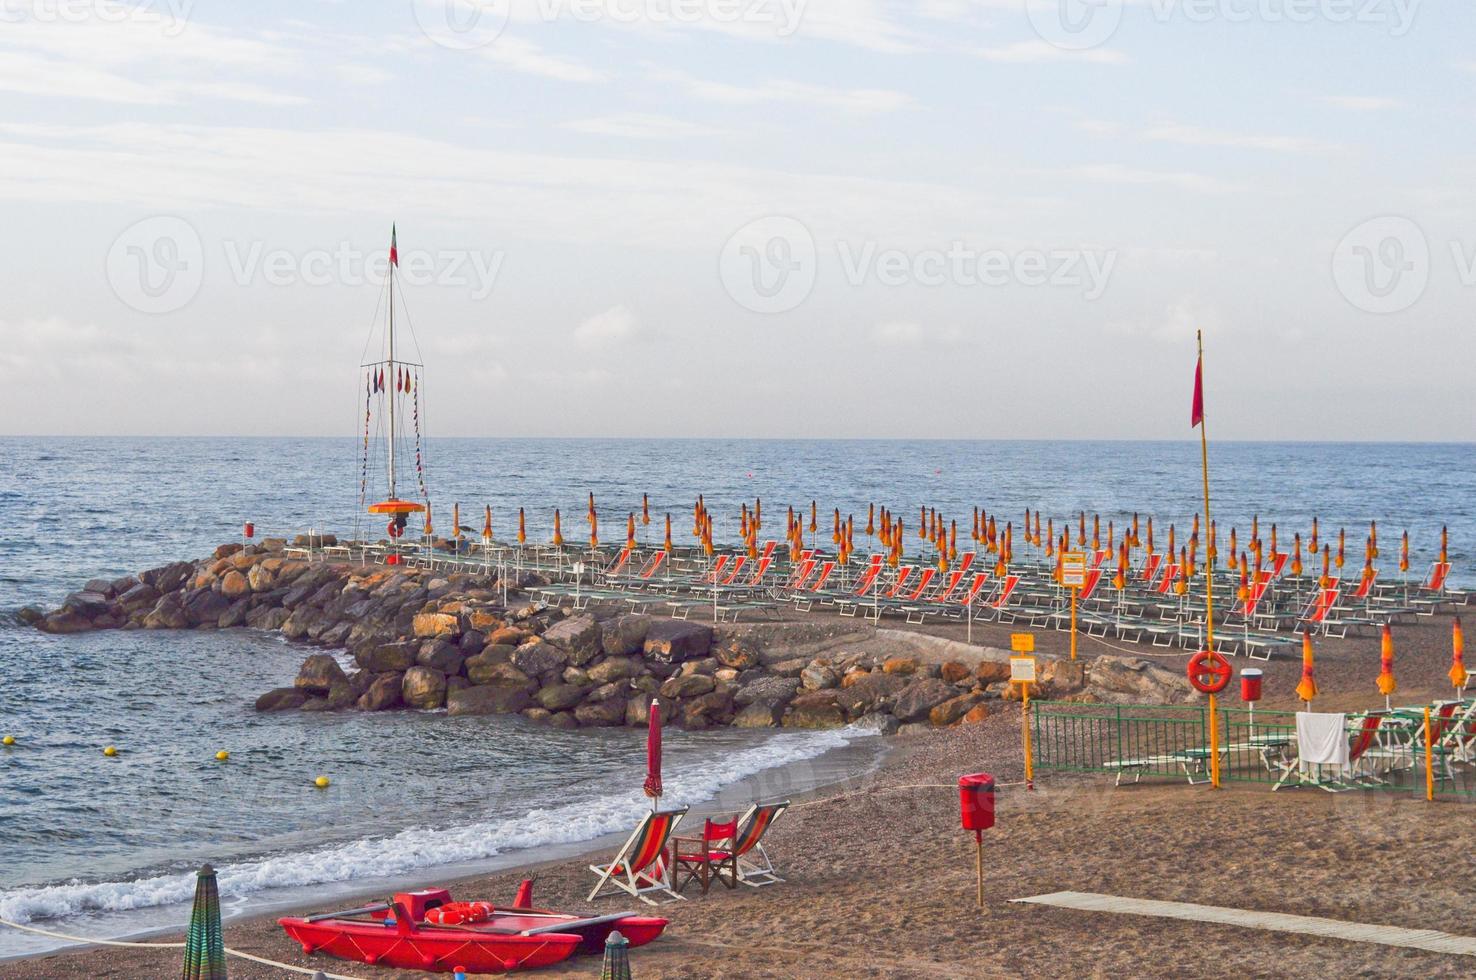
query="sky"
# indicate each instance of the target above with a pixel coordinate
(742, 218)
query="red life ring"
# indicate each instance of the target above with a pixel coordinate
(394, 530)
(1209, 673)
(459, 913)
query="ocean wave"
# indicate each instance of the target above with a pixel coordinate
(417, 848)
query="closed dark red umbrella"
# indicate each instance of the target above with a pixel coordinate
(653, 753)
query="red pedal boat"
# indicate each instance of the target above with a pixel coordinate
(426, 930)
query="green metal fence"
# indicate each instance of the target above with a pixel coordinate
(1388, 750)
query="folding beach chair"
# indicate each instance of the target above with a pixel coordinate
(730, 852)
(1317, 612)
(998, 607)
(1150, 567)
(1363, 736)
(641, 866)
(754, 867)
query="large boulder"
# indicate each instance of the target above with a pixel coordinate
(141, 596)
(234, 585)
(168, 578)
(953, 710)
(737, 652)
(578, 637)
(624, 635)
(440, 655)
(383, 694)
(690, 686)
(487, 700)
(818, 678)
(604, 714)
(759, 716)
(1128, 679)
(87, 604)
(65, 621)
(499, 675)
(427, 625)
(714, 708)
(818, 709)
(167, 614)
(672, 641)
(769, 691)
(387, 658)
(614, 669)
(558, 697)
(537, 659)
(920, 697)
(638, 710)
(282, 699)
(205, 606)
(423, 688)
(871, 692)
(319, 673)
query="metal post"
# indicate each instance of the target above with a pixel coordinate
(1025, 727)
(1074, 592)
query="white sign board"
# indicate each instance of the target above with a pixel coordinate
(1022, 670)
(1073, 569)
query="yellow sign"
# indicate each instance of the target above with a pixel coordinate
(1022, 642)
(1073, 569)
(1022, 670)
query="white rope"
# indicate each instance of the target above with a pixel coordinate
(893, 789)
(117, 942)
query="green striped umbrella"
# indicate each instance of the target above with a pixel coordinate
(617, 958)
(205, 945)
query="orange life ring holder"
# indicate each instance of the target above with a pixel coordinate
(1209, 673)
(459, 913)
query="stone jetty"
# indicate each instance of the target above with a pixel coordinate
(428, 640)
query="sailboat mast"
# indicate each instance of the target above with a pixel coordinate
(391, 374)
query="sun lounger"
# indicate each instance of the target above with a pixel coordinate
(641, 867)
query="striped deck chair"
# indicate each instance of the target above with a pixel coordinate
(748, 846)
(933, 603)
(1316, 614)
(805, 600)
(1278, 563)
(965, 560)
(999, 605)
(963, 607)
(714, 575)
(1150, 568)
(1165, 584)
(618, 565)
(733, 570)
(641, 866)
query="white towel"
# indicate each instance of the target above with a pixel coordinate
(1322, 739)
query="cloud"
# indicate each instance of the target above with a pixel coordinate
(643, 126)
(608, 329)
(1035, 52)
(897, 333)
(521, 55)
(860, 100)
(1362, 103)
(1113, 173)
(1200, 136)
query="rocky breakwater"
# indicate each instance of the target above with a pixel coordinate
(421, 640)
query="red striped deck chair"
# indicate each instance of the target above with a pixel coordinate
(619, 564)
(825, 572)
(1439, 571)
(903, 574)
(1320, 606)
(768, 551)
(1006, 590)
(754, 867)
(734, 569)
(1278, 563)
(759, 571)
(641, 866)
(923, 581)
(949, 586)
(868, 578)
(1366, 585)
(965, 560)
(800, 575)
(1099, 556)
(1150, 567)
(979, 579)
(1166, 583)
(1090, 585)
(651, 566)
(715, 574)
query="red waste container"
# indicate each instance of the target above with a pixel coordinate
(249, 530)
(1250, 685)
(976, 801)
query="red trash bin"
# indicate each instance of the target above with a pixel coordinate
(249, 530)
(1250, 685)
(976, 801)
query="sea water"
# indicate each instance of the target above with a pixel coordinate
(103, 846)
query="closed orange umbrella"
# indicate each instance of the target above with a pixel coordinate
(1404, 552)
(1096, 532)
(1342, 542)
(836, 536)
(667, 545)
(1150, 535)
(1255, 527)
(814, 526)
(594, 532)
(1444, 545)
(1050, 536)
(1458, 675)
(630, 532)
(1326, 579)
(1243, 593)
(429, 531)
(1313, 542)
(645, 510)
(1274, 550)
(487, 527)
(1036, 540)
(1136, 540)
(1181, 587)
(1373, 539)
(1297, 554)
(522, 528)
(1171, 542)
(870, 520)
(558, 535)
(456, 519)
(1387, 685)
(1081, 530)
(1307, 686)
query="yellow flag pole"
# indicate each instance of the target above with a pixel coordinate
(1209, 577)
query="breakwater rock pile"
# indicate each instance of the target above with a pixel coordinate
(427, 640)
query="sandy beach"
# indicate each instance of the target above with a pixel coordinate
(880, 879)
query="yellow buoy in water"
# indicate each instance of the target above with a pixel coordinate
(110, 751)
(7, 740)
(321, 782)
(222, 755)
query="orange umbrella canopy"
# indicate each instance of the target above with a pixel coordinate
(668, 534)
(645, 510)
(487, 526)
(1404, 552)
(456, 520)
(870, 519)
(522, 528)
(1458, 675)
(428, 529)
(558, 535)
(1387, 685)
(1307, 686)
(630, 531)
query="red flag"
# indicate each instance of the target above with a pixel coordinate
(652, 787)
(394, 251)
(1196, 414)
